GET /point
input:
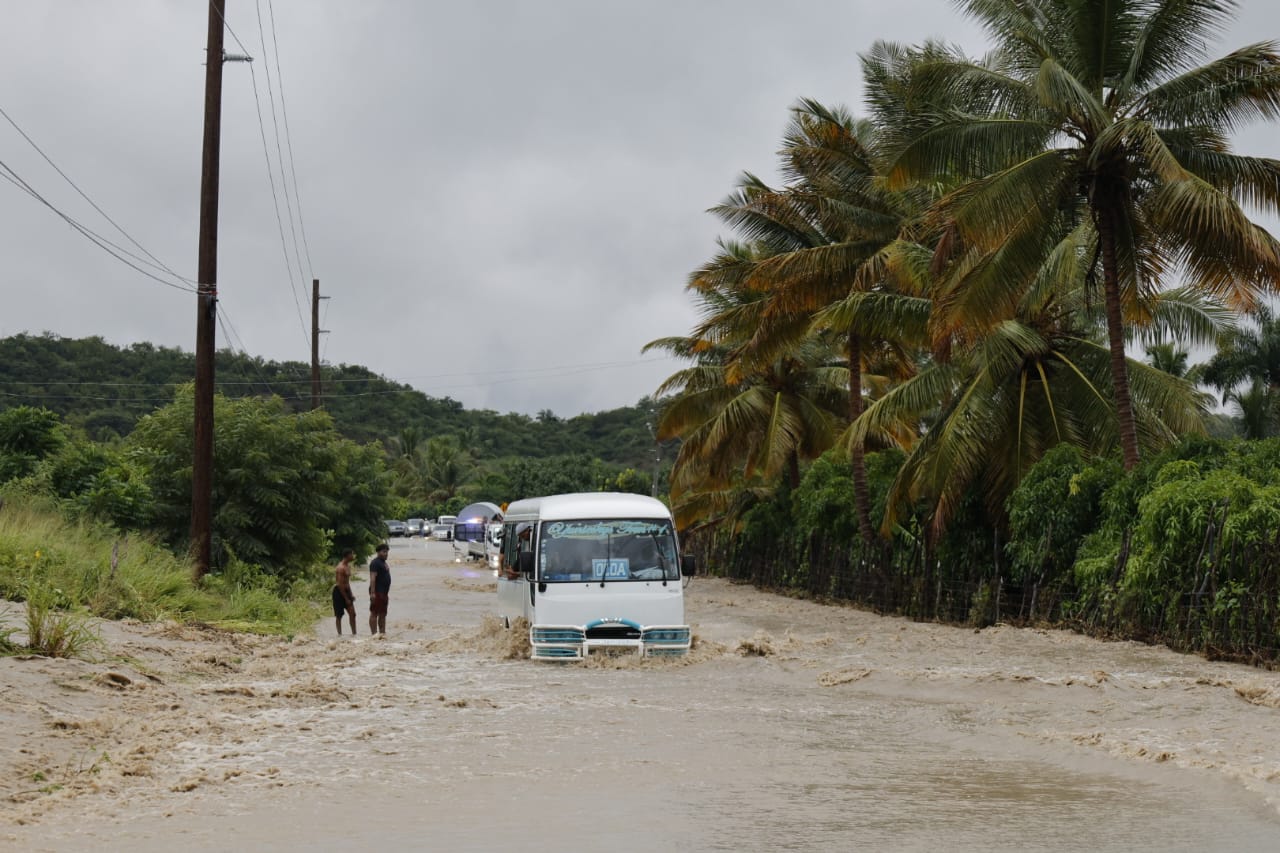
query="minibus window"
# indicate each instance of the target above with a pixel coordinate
(596, 550)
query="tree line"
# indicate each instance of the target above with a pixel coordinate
(944, 292)
(103, 390)
(105, 432)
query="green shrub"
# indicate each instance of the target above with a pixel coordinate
(285, 486)
(27, 435)
(1053, 509)
(1194, 524)
(97, 481)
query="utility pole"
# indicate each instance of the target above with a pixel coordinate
(657, 459)
(316, 332)
(207, 292)
(207, 296)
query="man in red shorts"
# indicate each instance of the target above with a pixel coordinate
(379, 590)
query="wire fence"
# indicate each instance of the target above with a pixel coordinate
(1222, 616)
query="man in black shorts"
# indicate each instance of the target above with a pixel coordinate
(379, 590)
(344, 600)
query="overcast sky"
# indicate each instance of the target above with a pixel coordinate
(501, 199)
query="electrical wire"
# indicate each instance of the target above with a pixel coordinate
(334, 386)
(288, 139)
(275, 197)
(117, 252)
(157, 262)
(244, 351)
(289, 201)
(229, 332)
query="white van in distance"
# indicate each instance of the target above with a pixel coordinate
(594, 571)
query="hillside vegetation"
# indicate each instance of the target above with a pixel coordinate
(104, 390)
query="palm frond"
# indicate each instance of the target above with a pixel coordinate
(878, 315)
(1170, 34)
(1064, 94)
(1241, 87)
(968, 147)
(1225, 254)
(1186, 315)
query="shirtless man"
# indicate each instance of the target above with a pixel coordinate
(344, 600)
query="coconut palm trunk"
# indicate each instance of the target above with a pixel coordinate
(1115, 339)
(857, 454)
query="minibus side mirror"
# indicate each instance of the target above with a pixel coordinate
(525, 564)
(688, 565)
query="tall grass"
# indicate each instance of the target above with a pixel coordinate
(58, 633)
(70, 566)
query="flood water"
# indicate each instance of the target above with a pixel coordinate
(791, 726)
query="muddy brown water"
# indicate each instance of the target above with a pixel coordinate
(791, 726)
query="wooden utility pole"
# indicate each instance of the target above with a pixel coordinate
(315, 342)
(207, 296)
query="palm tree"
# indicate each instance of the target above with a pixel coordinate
(1092, 113)
(743, 417)
(1249, 352)
(408, 441)
(1167, 357)
(445, 468)
(1250, 356)
(1257, 405)
(833, 231)
(997, 404)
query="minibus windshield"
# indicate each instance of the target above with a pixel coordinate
(607, 550)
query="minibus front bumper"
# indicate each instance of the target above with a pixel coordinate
(569, 642)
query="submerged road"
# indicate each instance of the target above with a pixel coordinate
(792, 726)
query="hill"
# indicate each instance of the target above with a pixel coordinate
(104, 390)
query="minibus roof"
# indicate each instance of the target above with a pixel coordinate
(587, 505)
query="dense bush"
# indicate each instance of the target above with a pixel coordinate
(285, 486)
(27, 435)
(1051, 513)
(555, 475)
(97, 480)
(1185, 549)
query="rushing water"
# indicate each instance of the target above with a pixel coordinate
(792, 726)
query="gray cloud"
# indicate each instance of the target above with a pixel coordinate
(503, 199)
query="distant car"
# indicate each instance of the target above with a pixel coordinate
(414, 527)
(395, 527)
(442, 532)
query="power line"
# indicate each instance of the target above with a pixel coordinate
(275, 198)
(101, 242)
(233, 32)
(290, 202)
(335, 391)
(290, 367)
(229, 332)
(158, 263)
(549, 372)
(288, 138)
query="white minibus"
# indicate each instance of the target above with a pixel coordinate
(594, 571)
